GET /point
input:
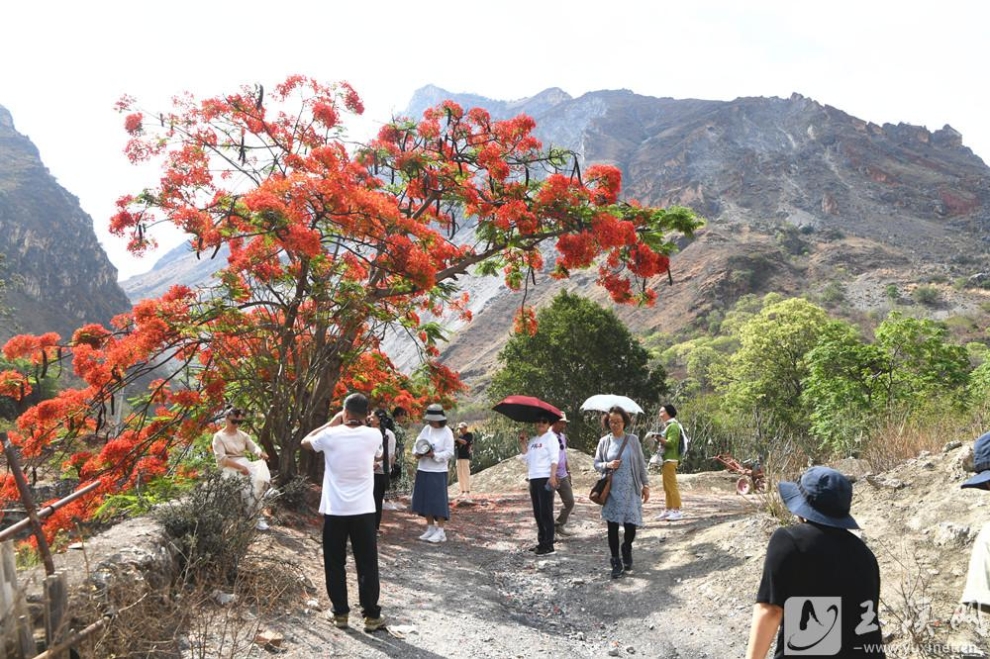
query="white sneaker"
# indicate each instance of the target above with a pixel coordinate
(439, 536)
(430, 530)
(674, 516)
(262, 525)
(664, 515)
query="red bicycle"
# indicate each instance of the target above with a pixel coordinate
(753, 479)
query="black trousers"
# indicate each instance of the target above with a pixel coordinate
(381, 480)
(542, 511)
(364, 542)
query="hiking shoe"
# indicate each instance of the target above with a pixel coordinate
(534, 548)
(430, 530)
(340, 620)
(559, 529)
(545, 551)
(616, 568)
(438, 536)
(374, 624)
(664, 515)
(674, 516)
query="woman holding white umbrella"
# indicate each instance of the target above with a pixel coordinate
(621, 453)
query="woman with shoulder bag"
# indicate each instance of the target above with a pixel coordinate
(621, 454)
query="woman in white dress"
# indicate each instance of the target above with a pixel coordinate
(231, 446)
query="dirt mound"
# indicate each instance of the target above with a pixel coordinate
(509, 475)
(921, 525)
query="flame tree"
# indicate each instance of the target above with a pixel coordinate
(328, 247)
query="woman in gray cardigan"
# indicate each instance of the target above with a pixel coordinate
(630, 487)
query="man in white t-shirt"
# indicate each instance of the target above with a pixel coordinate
(348, 506)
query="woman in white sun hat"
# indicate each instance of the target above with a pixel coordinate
(433, 448)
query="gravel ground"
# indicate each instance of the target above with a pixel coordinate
(482, 594)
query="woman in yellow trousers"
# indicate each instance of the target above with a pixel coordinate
(670, 442)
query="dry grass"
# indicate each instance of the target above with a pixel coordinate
(226, 581)
(189, 619)
(899, 439)
(784, 461)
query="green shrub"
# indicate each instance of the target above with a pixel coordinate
(926, 295)
(494, 441)
(833, 294)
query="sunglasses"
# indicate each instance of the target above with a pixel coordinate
(237, 421)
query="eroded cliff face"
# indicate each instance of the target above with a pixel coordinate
(59, 277)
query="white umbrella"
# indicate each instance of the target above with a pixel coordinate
(605, 402)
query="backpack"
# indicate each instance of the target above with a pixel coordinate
(684, 443)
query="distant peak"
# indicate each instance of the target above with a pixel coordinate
(6, 119)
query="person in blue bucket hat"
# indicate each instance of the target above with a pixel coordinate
(820, 590)
(976, 592)
(981, 463)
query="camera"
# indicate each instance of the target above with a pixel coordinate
(385, 420)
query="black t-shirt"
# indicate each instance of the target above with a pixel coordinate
(464, 450)
(832, 581)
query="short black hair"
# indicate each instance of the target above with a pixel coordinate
(670, 410)
(356, 404)
(399, 411)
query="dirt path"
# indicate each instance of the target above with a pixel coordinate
(482, 594)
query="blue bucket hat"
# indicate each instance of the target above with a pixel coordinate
(822, 495)
(981, 462)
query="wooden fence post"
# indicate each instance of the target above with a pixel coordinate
(56, 604)
(14, 464)
(17, 640)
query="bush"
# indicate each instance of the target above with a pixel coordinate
(494, 441)
(211, 529)
(926, 295)
(833, 294)
(293, 494)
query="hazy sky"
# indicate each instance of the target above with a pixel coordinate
(64, 63)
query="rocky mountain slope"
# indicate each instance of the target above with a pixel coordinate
(58, 275)
(800, 198)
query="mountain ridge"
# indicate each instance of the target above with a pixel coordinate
(58, 275)
(798, 195)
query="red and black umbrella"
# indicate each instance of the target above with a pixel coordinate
(527, 409)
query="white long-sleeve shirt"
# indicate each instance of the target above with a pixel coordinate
(542, 454)
(442, 440)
